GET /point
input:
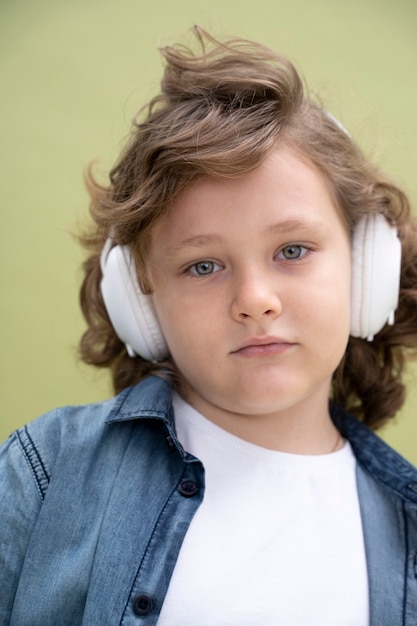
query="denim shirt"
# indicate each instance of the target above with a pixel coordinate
(95, 502)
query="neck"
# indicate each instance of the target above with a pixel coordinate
(304, 429)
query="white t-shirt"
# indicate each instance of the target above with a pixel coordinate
(277, 540)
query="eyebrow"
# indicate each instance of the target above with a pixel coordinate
(196, 241)
(289, 226)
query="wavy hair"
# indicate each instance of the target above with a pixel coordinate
(222, 107)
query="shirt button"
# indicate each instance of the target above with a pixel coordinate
(142, 605)
(188, 488)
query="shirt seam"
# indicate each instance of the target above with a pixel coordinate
(407, 548)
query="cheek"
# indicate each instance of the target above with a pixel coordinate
(182, 323)
(327, 305)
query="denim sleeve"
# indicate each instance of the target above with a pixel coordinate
(22, 486)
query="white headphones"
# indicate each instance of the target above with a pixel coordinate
(131, 312)
(376, 272)
(376, 266)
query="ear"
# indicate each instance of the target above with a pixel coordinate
(376, 269)
(131, 312)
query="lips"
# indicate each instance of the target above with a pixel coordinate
(263, 346)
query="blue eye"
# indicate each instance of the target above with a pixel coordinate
(203, 268)
(293, 252)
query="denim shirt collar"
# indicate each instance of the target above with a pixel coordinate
(378, 458)
(151, 398)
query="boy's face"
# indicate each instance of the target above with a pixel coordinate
(251, 281)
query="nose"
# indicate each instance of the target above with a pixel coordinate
(255, 296)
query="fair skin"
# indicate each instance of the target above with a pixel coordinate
(251, 284)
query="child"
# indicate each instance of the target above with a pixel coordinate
(244, 268)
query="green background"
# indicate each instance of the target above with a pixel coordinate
(72, 76)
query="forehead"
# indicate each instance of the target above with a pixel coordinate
(285, 189)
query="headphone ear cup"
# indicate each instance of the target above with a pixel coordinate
(131, 312)
(376, 269)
